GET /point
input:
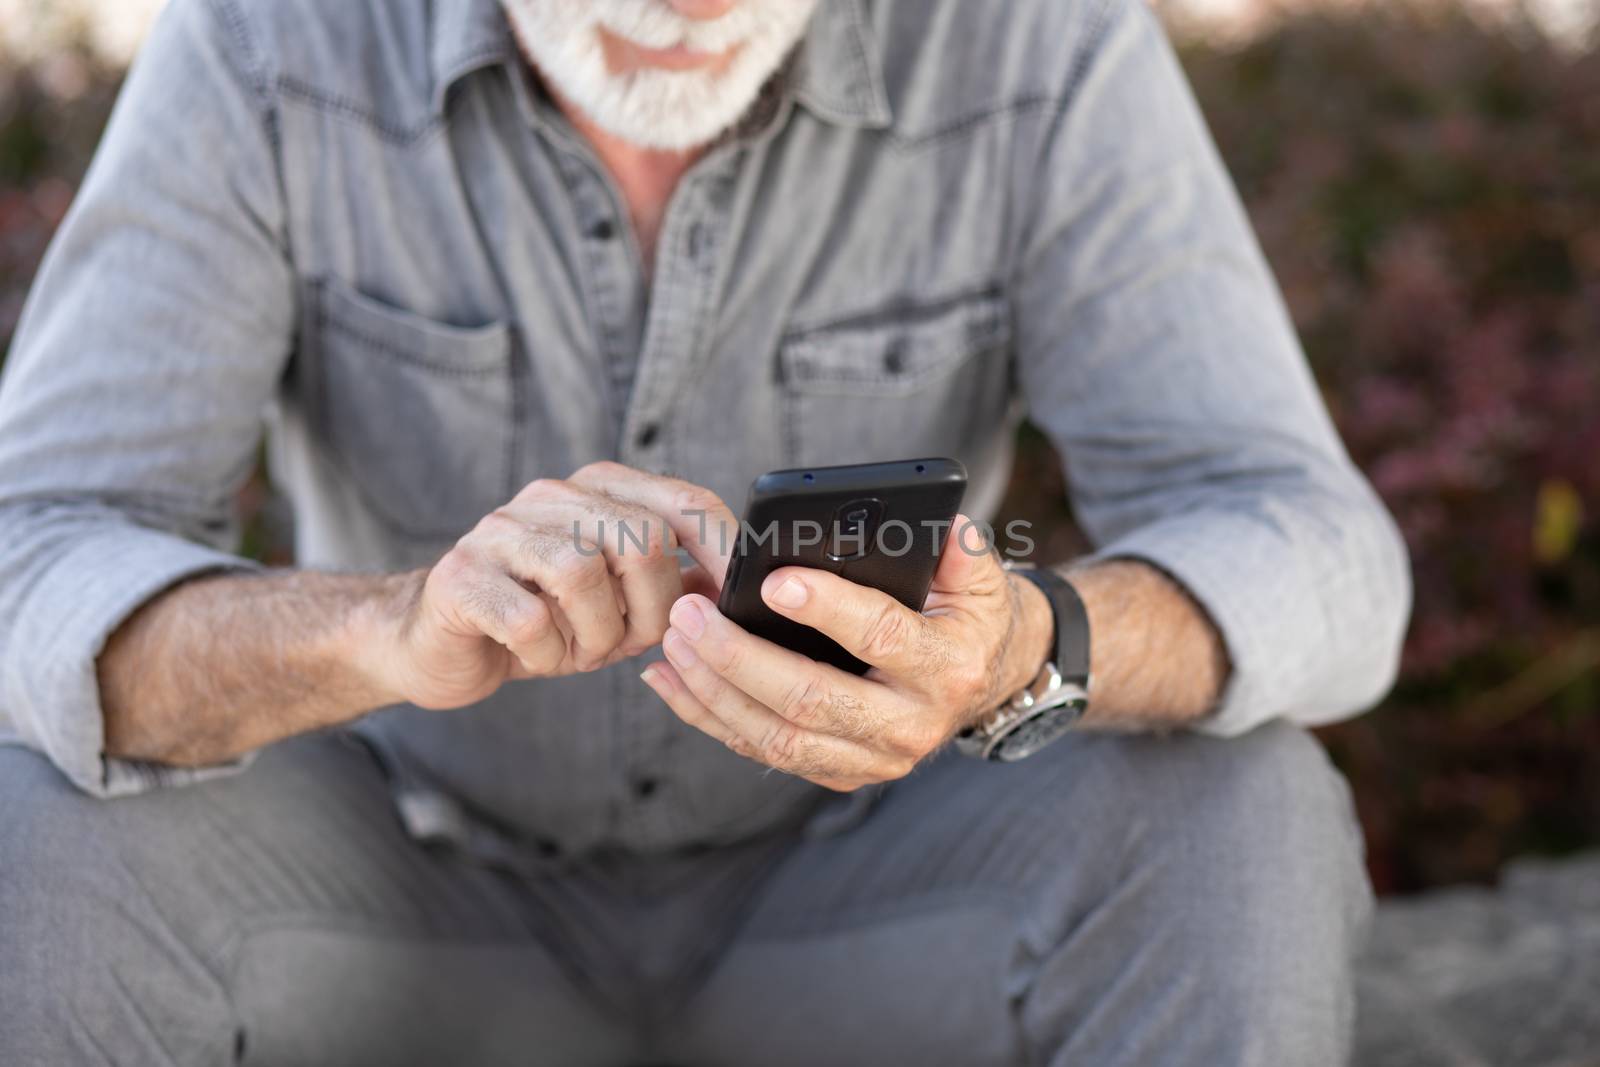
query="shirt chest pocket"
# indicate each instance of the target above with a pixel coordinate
(913, 382)
(418, 415)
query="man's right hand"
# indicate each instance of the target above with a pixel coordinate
(570, 576)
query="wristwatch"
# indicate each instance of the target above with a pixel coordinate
(1055, 700)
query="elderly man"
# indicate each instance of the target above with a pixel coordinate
(466, 787)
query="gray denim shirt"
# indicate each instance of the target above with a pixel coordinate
(358, 224)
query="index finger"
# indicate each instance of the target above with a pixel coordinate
(697, 517)
(868, 623)
(814, 696)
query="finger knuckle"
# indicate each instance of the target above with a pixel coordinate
(498, 523)
(807, 701)
(659, 544)
(852, 718)
(690, 499)
(544, 489)
(527, 627)
(483, 600)
(453, 567)
(783, 746)
(741, 747)
(578, 568)
(887, 633)
(917, 739)
(533, 544)
(600, 472)
(643, 543)
(726, 657)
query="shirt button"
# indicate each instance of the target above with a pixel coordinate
(645, 788)
(602, 230)
(648, 435)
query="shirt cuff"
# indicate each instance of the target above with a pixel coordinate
(51, 688)
(1257, 593)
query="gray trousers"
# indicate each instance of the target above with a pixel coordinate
(1114, 901)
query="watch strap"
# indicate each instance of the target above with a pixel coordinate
(1071, 650)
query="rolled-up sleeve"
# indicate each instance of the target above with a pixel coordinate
(132, 404)
(1155, 351)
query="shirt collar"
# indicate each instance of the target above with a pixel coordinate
(839, 71)
(838, 74)
(466, 35)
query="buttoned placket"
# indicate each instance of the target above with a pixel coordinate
(646, 362)
(613, 277)
(611, 264)
(680, 320)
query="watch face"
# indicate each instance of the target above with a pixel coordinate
(1035, 733)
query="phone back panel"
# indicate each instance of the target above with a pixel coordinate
(807, 518)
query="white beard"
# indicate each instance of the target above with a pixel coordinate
(664, 109)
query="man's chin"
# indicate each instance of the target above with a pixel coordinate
(652, 107)
(671, 112)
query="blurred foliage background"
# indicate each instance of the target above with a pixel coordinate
(1428, 188)
(1426, 181)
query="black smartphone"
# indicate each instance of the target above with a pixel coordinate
(876, 524)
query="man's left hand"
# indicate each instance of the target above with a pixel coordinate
(981, 636)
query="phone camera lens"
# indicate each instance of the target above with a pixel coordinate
(853, 526)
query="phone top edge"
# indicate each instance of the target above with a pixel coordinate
(861, 476)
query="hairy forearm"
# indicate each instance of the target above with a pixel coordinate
(219, 666)
(1156, 658)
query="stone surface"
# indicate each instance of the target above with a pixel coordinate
(1487, 978)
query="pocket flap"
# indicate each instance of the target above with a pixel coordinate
(409, 336)
(894, 352)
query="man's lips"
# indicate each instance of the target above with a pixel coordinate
(678, 57)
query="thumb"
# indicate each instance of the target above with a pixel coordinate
(968, 559)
